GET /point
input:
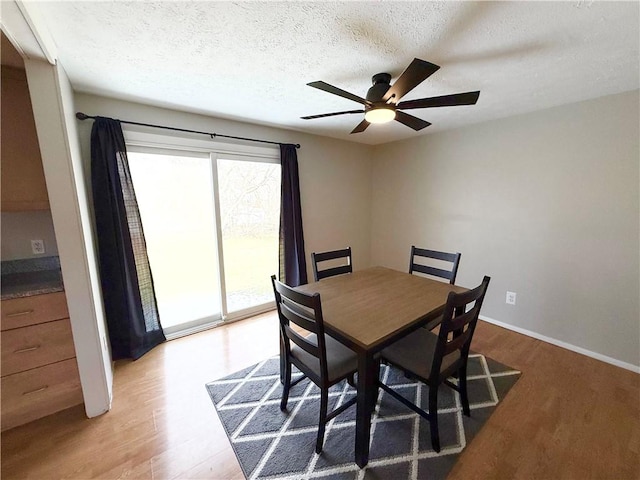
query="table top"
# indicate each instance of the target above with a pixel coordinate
(369, 306)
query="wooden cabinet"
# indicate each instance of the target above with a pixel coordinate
(22, 177)
(39, 369)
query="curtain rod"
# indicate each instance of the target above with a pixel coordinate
(83, 116)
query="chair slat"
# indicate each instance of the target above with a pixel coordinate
(330, 272)
(301, 310)
(423, 252)
(459, 322)
(317, 258)
(306, 323)
(324, 256)
(453, 258)
(298, 297)
(303, 342)
(437, 272)
(457, 343)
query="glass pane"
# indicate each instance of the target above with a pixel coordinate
(175, 197)
(250, 215)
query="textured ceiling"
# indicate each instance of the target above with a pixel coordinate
(251, 61)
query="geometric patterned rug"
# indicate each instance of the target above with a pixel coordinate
(271, 444)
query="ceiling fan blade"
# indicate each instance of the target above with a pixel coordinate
(411, 121)
(417, 72)
(311, 117)
(361, 127)
(467, 98)
(337, 91)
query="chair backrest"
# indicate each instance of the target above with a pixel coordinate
(317, 258)
(456, 330)
(304, 311)
(453, 258)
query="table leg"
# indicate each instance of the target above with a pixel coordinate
(375, 371)
(367, 388)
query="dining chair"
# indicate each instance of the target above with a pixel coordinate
(423, 254)
(319, 357)
(433, 359)
(317, 258)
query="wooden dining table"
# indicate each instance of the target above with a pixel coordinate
(368, 310)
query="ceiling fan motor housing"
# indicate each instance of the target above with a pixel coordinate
(380, 86)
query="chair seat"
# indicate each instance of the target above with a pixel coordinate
(341, 360)
(415, 353)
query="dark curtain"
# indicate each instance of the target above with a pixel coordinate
(127, 285)
(293, 267)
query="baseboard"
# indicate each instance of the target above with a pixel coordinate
(568, 346)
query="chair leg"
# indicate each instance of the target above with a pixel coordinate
(287, 385)
(324, 400)
(433, 417)
(283, 359)
(462, 383)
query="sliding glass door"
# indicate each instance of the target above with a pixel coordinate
(176, 202)
(249, 193)
(211, 225)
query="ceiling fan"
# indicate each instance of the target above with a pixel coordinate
(382, 103)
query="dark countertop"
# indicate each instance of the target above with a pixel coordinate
(15, 285)
(23, 279)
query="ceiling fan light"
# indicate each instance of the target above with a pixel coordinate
(380, 115)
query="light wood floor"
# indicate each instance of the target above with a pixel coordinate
(568, 417)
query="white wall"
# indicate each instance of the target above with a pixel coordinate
(19, 228)
(335, 176)
(51, 97)
(545, 203)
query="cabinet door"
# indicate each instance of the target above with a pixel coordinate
(22, 176)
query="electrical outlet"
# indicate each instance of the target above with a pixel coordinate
(511, 298)
(37, 247)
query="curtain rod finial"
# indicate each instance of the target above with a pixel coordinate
(81, 116)
(297, 145)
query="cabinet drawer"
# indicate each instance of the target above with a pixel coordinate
(29, 347)
(21, 312)
(36, 393)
